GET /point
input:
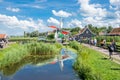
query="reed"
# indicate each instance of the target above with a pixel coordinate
(17, 52)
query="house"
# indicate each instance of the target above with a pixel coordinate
(85, 33)
(115, 32)
(102, 33)
(3, 40)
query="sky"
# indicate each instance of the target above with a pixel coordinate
(17, 16)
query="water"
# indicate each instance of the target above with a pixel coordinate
(45, 71)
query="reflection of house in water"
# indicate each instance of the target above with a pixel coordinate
(115, 32)
(85, 33)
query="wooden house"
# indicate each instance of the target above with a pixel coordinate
(85, 33)
(115, 32)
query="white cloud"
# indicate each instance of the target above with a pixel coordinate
(75, 23)
(53, 21)
(92, 10)
(115, 4)
(13, 9)
(36, 6)
(12, 22)
(61, 13)
(96, 14)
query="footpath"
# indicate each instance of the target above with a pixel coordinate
(115, 56)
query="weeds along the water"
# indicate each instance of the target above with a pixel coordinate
(18, 51)
(91, 65)
(81, 65)
(42, 49)
(14, 54)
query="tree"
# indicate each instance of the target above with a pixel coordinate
(34, 34)
(50, 36)
(75, 30)
(109, 29)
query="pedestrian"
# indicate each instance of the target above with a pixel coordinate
(114, 45)
(95, 42)
(111, 49)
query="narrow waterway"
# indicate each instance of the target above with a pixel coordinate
(57, 70)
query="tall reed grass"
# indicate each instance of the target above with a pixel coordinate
(19, 51)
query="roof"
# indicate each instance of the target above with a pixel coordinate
(82, 30)
(3, 36)
(115, 31)
(86, 32)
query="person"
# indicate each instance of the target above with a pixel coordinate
(95, 41)
(111, 49)
(103, 43)
(114, 44)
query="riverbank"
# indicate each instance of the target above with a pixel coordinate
(92, 65)
(16, 52)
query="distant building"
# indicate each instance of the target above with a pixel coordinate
(3, 40)
(115, 32)
(4, 37)
(102, 33)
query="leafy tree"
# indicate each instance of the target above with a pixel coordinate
(109, 29)
(50, 36)
(75, 30)
(34, 34)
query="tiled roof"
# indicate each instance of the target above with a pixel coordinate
(115, 31)
(81, 31)
(2, 35)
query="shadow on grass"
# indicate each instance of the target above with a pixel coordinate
(104, 58)
(115, 68)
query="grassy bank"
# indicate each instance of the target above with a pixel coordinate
(15, 52)
(92, 65)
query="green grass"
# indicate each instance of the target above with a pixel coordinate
(15, 52)
(99, 64)
(92, 65)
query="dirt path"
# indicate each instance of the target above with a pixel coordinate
(115, 56)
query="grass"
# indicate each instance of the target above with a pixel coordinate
(15, 52)
(92, 65)
(101, 65)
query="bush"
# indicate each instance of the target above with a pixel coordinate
(74, 45)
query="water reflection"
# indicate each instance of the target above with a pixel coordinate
(33, 68)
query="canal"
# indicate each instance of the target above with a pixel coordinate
(55, 69)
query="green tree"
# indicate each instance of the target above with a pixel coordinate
(50, 36)
(109, 29)
(34, 34)
(75, 30)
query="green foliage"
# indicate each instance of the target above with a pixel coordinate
(17, 52)
(58, 45)
(108, 38)
(109, 29)
(74, 45)
(13, 54)
(22, 39)
(75, 30)
(50, 36)
(34, 34)
(41, 49)
(96, 29)
(91, 65)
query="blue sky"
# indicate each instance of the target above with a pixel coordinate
(17, 16)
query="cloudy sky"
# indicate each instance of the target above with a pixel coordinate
(17, 16)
